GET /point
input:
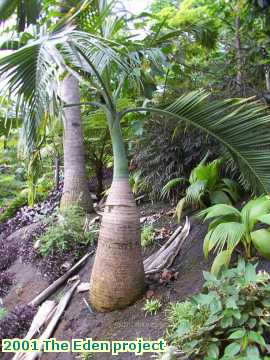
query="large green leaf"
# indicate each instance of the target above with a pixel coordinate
(261, 241)
(219, 197)
(265, 218)
(255, 208)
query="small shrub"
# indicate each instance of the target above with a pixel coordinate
(228, 319)
(65, 232)
(152, 306)
(147, 236)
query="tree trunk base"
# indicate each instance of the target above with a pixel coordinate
(117, 278)
(77, 194)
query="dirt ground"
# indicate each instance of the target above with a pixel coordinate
(80, 322)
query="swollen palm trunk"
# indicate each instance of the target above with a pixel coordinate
(75, 192)
(117, 278)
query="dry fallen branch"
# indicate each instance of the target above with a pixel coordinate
(41, 318)
(157, 253)
(48, 332)
(166, 255)
(55, 285)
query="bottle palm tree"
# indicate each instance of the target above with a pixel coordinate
(242, 126)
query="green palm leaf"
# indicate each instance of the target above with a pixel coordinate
(195, 192)
(227, 234)
(241, 125)
(238, 125)
(219, 210)
(222, 259)
(171, 185)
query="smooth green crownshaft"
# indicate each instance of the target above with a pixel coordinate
(120, 169)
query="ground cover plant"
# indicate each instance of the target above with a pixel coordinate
(65, 231)
(228, 319)
(152, 306)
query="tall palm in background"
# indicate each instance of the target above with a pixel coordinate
(76, 190)
(241, 126)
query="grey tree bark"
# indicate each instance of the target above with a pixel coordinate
(75, 192)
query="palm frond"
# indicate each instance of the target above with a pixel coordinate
(31, 78)
(32, 73)
(227, 234)
(171, 185)
(240, 125)
(254, 209)
(219, 210)
(195, 191)
(203, 34)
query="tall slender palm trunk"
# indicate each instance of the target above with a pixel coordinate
(117, 278)
(75, 190)
(239, 60)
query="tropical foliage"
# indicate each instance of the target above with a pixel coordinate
(230, 227)
(206, 187)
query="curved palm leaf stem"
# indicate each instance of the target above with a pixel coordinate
(93, 104)
(120, 167)
(193, 123)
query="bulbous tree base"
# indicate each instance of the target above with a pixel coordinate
(117, 278)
